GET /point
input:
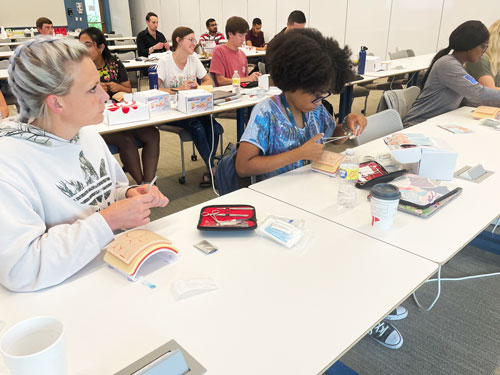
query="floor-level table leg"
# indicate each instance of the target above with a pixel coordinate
(413, 81)
(345, 102)
(240, 123)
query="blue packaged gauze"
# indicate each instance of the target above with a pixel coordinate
(285, 231)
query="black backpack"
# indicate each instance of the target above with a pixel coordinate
(226, 178)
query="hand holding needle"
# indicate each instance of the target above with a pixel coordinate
(151, 184)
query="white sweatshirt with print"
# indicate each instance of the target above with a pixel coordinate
(51, 190)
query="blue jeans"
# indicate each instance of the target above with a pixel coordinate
(200, 129)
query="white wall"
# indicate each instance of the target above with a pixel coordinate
(25, 13)
(382, 25)
(415, 24)
(457, 11)
(120, 17)
(368, 25)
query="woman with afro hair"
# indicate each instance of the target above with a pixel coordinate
(287, 130)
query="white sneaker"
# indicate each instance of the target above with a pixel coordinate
(397, 314)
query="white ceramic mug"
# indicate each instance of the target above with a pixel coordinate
(35, 346)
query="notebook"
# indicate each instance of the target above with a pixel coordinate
(422, 192)
(218, 94)
(429, 211)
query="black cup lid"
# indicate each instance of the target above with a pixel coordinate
(385, 191)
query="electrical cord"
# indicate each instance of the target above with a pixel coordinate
(210, 157)
(439, 280)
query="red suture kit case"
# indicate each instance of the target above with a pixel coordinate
(228, 217)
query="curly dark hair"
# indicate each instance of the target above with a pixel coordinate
(305, 59)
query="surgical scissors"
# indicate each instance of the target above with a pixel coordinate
(222, 223)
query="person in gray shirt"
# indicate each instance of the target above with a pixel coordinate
(446, 83)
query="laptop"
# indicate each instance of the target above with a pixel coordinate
(218, 94)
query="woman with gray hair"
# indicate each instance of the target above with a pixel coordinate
(63, 192)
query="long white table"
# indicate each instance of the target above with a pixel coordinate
(174, 115)
(113, 38)
(407, 64)
(437, 238)
(119, 47)
(6, 54)
(11, 44)
(277, 311)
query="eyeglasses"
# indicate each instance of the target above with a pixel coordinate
(192, 40)
(485, 47)
(319, 98)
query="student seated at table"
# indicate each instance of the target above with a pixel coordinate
(114, 79)
(255, 36)
(212, 32)
(228, 57)
(63, 193)
(296, 20)
(44, 26)
(151, 40)
(287, 130)
(181, 70)
(446, 83)
(4, 109)
(487, 70)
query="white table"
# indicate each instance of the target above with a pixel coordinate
(4, 74)
(6, 54)
(10, 44)
(437, 238)
(277, 311)
(113, 38)
(120, 47)
(174, 115)
(134, 65)
(409, 65)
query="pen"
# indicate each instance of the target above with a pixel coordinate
(151, 183)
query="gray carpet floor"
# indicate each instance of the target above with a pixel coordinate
(460, 335)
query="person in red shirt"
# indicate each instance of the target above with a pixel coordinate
(228, 58)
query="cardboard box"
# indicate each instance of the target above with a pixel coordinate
(157, 101)
(194, 101)
(373, 64)
(124, 112)
(436, 162)
(264, 81)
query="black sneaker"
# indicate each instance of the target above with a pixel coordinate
(387, 335)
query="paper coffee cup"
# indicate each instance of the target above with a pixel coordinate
(384, 204)
(35, 346)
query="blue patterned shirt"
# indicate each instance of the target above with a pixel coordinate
(272, 132)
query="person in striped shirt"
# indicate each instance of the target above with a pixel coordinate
(212, 33)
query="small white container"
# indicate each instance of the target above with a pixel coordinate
(195, 101)
(158, 101)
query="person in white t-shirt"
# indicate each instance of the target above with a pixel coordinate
(181, 70)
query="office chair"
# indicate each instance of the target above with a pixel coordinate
(399, 100)
(379, 125)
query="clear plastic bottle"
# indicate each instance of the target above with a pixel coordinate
(236, 82)
(348, 175)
